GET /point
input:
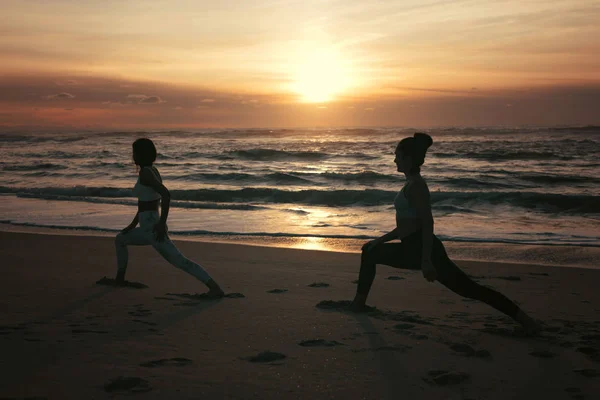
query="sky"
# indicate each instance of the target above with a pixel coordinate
(155, 64)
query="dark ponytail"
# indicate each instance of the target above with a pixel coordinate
(416, 147)
(145, 151)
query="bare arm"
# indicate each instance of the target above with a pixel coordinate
(407, 227)
(135, 221)
(149, 178)
(421, 200)
(132, 225)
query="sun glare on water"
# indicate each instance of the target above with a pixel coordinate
(321, 77)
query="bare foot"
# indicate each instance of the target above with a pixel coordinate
(214, 293)
(120, 278)
(533, 328)
(530, 326)
(357, 308)
(358, 304)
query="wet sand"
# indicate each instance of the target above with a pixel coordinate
(282, 331)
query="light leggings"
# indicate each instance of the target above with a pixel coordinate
(143, 236)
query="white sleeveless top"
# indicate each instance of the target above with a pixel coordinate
(402, 206)
(145, 193)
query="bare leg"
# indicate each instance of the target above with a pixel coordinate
(167, 249)
(392, 254)
(406, 255)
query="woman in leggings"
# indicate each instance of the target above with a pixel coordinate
(419, 247)
(150, 190)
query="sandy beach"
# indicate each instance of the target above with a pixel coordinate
(63, 336)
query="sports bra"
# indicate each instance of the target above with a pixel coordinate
(145, 193)
(402, 206)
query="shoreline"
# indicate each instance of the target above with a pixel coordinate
(563, 256)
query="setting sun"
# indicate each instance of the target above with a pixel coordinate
(321, 77)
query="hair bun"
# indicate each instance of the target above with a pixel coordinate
(423, 141)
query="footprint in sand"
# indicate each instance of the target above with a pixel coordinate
(468, 351)
(96, 316)
(197, 299)
(506, 332)
(320, 343)
(145, 322)
(445, 378)
(590, 337)
(355, 282)
(542, 354)
(539, 274)
(319, 284)
(400, 348)
(509, 278)
(277, 291)
(333, 305)
(87, 331)
(589, 351)
(141, 312)
(553, 329)
(165, 298)
(111, 282)
(167, 362)
(395, 278)
(575, 393)
(344, 306)
(265, 357)
(402, 327)
(572, 390)
(7, 329)
(588, 373)
(128, 384)
(234, 296)
(405, 317)
(203, 296)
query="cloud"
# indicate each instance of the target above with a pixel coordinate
(113, 104)
(253, 102)
(60, 96)
(102, 101)
(369, 109)
(68, 82)
(152, 100)
(178, 108)
(208, 100)
(136, 96)
(143, 99)
(435, 90)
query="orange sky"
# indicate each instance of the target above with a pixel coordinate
(279, 63)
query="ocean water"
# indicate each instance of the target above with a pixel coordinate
(518, 185)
